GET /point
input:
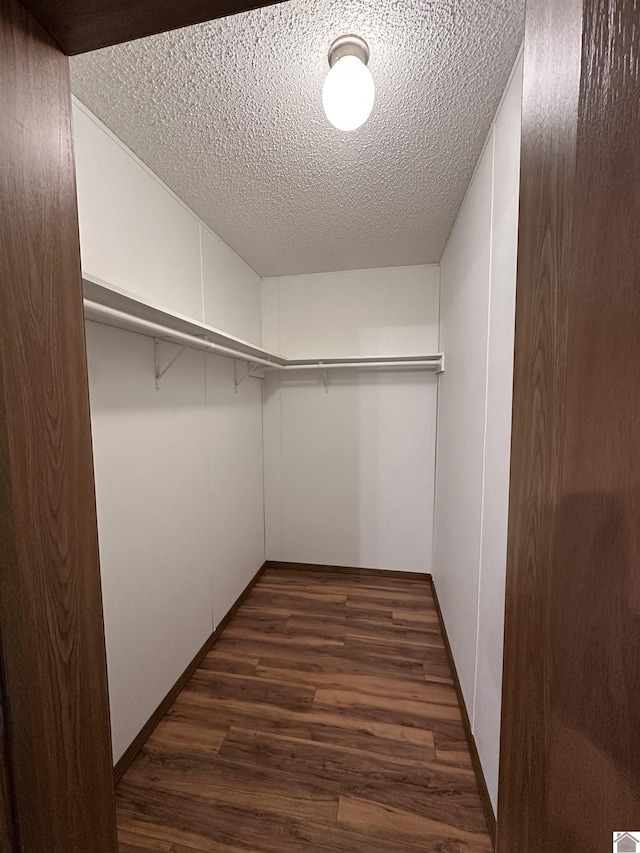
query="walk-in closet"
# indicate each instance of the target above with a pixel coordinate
(300, 349)
(318, 478)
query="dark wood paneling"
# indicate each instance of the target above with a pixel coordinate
(90, 24)
(52, 642)
(550, 108)
(570, 765)
(297, 735)
(594, 749)
(146, 731)
(466, 722)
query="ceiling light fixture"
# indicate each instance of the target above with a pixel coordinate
(349, 91)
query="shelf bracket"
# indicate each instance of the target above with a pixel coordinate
(325, 380)
(251, 371)
(160, 371)
(236, 377)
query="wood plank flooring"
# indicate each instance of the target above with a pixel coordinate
(324, 719)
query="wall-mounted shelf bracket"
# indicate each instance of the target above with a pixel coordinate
(325, 379)
(251, 371)
(160, 371)
(237, 378)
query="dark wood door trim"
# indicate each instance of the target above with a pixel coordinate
(552, 65)
(81, 26)
(570, 764)
(52, 637)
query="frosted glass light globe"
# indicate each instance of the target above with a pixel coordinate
(348, 93)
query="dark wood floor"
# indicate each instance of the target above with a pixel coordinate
(324, 719)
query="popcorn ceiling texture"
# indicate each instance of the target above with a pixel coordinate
(229, 114)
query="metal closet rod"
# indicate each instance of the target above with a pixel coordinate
(321, 365)
(160, 331)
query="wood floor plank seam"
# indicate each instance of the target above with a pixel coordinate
(315, 724)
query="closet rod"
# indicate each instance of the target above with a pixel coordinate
(434, 363)
(158, 331)
(122, 319)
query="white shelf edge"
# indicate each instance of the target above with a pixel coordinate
(115, 307)
(105, 294)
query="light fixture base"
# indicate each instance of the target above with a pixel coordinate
(350, 45)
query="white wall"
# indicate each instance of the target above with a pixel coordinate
(179, 471)
(349, 473)
(236, 482)
(138, 236)
(231, 289)
(150, 452)
(488, 694)
(391, 311)
(474, 424)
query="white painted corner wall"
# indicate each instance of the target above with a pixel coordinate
(179, 471)
(478, 273)
(349, 473)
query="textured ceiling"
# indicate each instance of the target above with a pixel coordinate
(229, 114)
